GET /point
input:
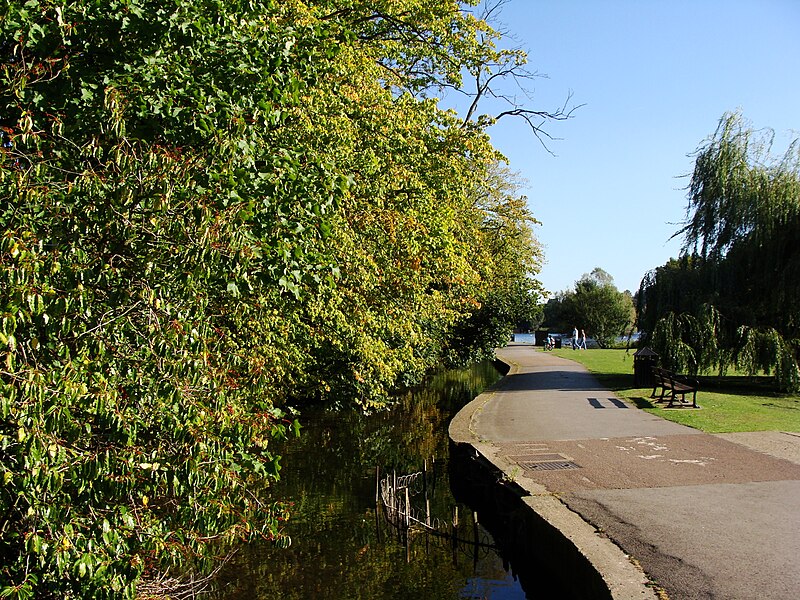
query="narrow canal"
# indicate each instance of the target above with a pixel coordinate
(342, 544)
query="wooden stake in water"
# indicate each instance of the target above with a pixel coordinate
(455, 535)
(408, 511)
(475, 536)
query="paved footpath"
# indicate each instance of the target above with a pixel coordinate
(706, 516)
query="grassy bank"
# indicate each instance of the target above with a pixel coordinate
(728, 404)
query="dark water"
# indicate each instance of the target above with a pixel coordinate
(342, 544)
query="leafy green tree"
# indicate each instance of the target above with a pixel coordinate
(154, 218)
(596, 306)
(506, 254)
(413, 235)
(599, 308)
(210, 210)
(740, 259)
(553, 313)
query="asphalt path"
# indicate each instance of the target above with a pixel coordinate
(706, 516)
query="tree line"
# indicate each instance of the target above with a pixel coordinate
(211, 212)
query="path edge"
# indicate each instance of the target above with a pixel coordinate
(623, 577)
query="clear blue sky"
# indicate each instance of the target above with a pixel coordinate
(655, 77)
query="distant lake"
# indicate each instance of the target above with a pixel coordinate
(530, 338)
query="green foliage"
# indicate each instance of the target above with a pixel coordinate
(766, 351)
(505, 254)
(595, 305)
(740, 256)
(147, 232)
(688, 343)
(208, 211)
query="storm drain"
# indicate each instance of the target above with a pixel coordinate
(555, 465)
(545, 462)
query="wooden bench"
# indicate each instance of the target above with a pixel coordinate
(675, 385)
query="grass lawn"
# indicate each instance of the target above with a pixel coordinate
(732, 403)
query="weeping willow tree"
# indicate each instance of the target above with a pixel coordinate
(690, 342)
(738, 279)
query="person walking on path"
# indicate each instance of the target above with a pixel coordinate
(583, 339)
(575, 338)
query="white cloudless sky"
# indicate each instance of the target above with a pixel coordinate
(655, 77)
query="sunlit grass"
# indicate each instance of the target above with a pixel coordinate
(733, 403)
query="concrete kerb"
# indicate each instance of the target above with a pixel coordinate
(624, 579)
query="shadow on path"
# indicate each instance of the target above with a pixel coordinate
(560, 380)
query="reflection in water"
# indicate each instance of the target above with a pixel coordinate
(342, 544)
(546, 561)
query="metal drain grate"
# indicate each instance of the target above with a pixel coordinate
(538, 457)
(550, 465)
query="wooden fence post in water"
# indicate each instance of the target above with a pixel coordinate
(475, 536)
(377, 503)
(427, 524)
(455, 535)
(395, 501)
(408, 510)
(408, 528)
